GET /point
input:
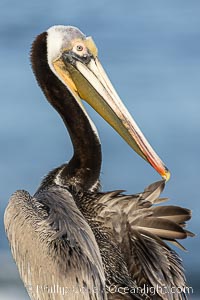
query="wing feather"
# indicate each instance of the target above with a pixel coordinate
(139, 227)
(54, 247)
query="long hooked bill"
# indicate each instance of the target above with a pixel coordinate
(94, 87)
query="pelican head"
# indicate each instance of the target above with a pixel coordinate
(73, 58)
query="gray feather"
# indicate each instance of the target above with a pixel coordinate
(52, 245)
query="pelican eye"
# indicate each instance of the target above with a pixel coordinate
(79, 48)
(79, 52)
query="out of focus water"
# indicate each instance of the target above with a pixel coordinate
(151, 51)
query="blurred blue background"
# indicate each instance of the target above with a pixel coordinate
(151, 51)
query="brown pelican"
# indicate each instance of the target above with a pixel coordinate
(67, 235)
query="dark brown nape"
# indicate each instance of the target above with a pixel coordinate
(84, 167)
